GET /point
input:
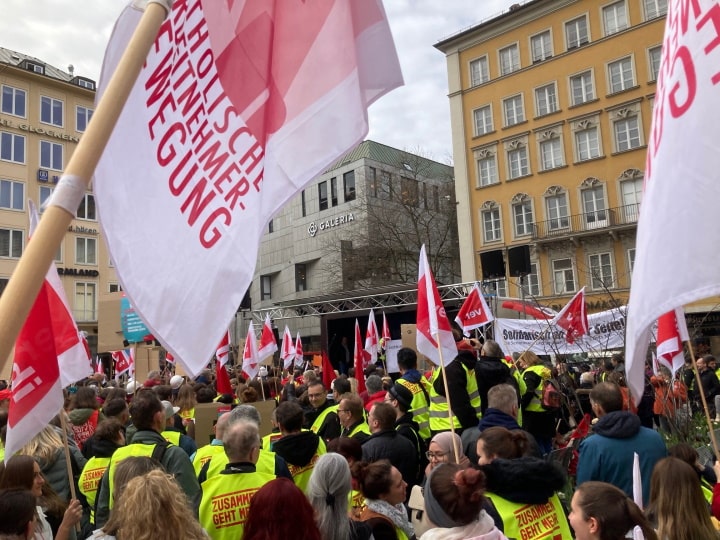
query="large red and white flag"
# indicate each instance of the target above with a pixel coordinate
(222, 353)
(299, 355)
(433, 327)
(124, 362)
(385, 332)
(371, 338)
(287, 349)
(573, 317)
(671, 333)
(250, 363)
(677, 218)
(268, 344)
(238, 106)
(474, 312)
(360, 359)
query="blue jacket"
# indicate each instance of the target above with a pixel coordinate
(607, 454)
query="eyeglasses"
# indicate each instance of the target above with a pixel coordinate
(435, 455)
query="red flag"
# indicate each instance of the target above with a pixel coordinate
(328, 373)
(433, 326)
(222, 354)
(299, 355)
(371, 338)
(671, 333)
(359, 359)
(169, 358)
(250, 363)
(573, 317)
(287, 351)
(474, 312)
(227, 128)
(124, 362)
(99, 365)
(268, 345)
(385, 332)
(223, 381)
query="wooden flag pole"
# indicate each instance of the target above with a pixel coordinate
(698, 382)
(26, 280)
(66, 448)
(447, 397)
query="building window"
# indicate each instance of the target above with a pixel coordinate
(620, 75)
(349, 182)
(86, 84)
(541, 46)
(595, 213)
(386, 187)
(114, 287)
(509, 59)
(655, 8)
(85, 250)
(631, 260)
(51, 111)
(265, 287)
(587, 143)
(487, 170)
(518, 162)
(546, 99)
(13, 101)
(631, 192)
(82, 118)
(615, 17)
(483, 120)
(302, 203)
(557, 212)
(479, 72)
(492, 231)
(531, 282)
(436, 198)
(11, 243)
(333, 192)
(409, 193)
(51, 155)
(45, 193)
(501, 288)
(654, 56)
(271, 227)
(601, 274)
(300, 277)
(576, 32)
(551, 154)
(323, 195)
(86, 209)
(85, 302)
(12, 147)
(627, 133)
(523, 218)
(12, 195)
(372, 182)
(563, 276)
(513, 109)
(581, 86)
(3, 283)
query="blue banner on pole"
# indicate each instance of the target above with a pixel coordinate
(133, 328)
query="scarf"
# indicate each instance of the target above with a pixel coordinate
(397, 514)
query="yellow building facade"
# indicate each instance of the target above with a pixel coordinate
(551, 109)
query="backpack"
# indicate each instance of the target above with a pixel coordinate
(551, 395)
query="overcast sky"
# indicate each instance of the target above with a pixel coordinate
(416, 116)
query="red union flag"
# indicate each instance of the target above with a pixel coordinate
(474, 312)
(238, 106)
(124, 362)
(299, 355)
(287, 350)
(385, 331)
(573, 317)
(268, 345)
(222, 354)
(250, 363)
(371, 338)
(433, 327)
(360, 357)
(671, 333)
(681, 188)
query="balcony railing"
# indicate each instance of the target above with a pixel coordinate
(586, 223)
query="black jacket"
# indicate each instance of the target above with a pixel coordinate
(457, 387)
(401, 453)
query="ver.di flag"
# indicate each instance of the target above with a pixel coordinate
(222, 354)
(671, 333)
(299, 355)
(433, 327)
(474, 312)
(679, 202)
(124, 362)
(268, 345)
(238, 106)
(287, 349)
(573, 318)
(371, 338)
(250, 362)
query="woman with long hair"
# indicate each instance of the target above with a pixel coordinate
(84, 414)
(601, 511)
(186, 400)
(23, 472)
(454, 504)
(384, 491)
(269, 502)
(677, 506)
(151, 507)
(328, 492)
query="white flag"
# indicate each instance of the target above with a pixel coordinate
(678, 218)
(238, 106)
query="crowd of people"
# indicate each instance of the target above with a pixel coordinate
(491, 447)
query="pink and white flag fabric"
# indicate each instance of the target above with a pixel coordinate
(681, 190)
(124, 362)
(385, 332)
(474, 312)
(573, 318)
(672, 332)
(49, 355)
(371, 338)
(222, 353)
(299, 355)
(268, 345)
(433, 333)
(250, 362)
(287, 349)
(238, 106)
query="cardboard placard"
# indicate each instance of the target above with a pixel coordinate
(408, 334)
(207, 413)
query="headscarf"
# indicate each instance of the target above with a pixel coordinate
(445, 441)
